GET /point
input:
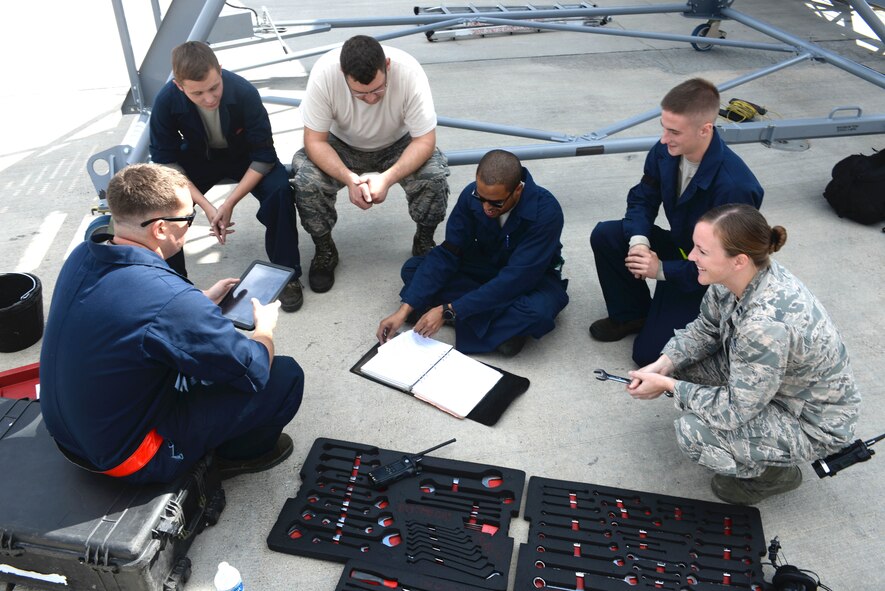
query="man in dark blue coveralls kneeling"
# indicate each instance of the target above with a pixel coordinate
(140, 373)
(690, 171)
(497, 277)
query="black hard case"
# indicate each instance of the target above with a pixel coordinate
(63, 527)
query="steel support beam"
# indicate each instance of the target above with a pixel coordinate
(158, 15)
(826, 55)
(225, 45)
(136, 94)
(320, 50)
(769, 132)
(185, 20)
(202, 18)
(536, 134)
(638, 34)
(765, 132)
(870, 17)
(428, 19)
(648, 115)
(708, 9)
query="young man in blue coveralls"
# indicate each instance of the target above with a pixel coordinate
(140, 373)
(210, 124)
(690, 171)
(497, 277)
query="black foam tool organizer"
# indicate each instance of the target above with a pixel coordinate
(449, 522)
(588, 537)
(365, 576)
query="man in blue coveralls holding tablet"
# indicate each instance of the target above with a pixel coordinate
(140, 373)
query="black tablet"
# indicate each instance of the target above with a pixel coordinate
(261, 280)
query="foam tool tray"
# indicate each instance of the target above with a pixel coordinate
(450, 521)
(364, 576)
(597, 538)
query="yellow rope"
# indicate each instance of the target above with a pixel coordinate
(744, 110)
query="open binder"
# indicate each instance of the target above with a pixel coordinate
(440, 375)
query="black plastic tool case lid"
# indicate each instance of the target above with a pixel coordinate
(52, 503)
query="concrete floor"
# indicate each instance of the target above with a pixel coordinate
(64, 80)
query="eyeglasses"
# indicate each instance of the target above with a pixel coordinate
(496, 204)
(185, 218)
(377, 92)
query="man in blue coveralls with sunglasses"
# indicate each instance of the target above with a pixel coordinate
(497, 276)
(140, 373)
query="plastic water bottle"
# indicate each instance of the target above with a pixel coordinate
(228, 578)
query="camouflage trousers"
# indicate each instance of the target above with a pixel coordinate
(427, 190)
(774, 437)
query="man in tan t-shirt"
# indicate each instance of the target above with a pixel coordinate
(369, 122)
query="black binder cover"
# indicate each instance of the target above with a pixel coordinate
(489, 409)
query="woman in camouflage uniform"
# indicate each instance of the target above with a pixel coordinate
(762, 374)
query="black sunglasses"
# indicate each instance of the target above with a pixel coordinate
(496, 204)
(186, 218)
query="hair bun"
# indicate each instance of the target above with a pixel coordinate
(778, 238)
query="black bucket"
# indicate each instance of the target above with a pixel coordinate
(21, 311)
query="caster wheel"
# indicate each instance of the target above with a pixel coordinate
(701, 31)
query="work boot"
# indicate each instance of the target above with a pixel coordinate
(423, 240)
(292, 296)
(281, 451)
(321, 276)
(749, 491)
(607, 330)
(512, 346)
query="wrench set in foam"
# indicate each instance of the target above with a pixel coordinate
(447, 525)
(447, 529)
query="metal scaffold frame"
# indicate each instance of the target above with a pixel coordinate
(194, 19)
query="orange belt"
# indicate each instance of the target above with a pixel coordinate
(140, 457)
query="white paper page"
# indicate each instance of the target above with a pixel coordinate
(457, 384)
(402, 360)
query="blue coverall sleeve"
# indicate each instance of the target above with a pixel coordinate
(259, 133)
(191, 335)
(644, 201)
(683, 274)
(165, 139)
